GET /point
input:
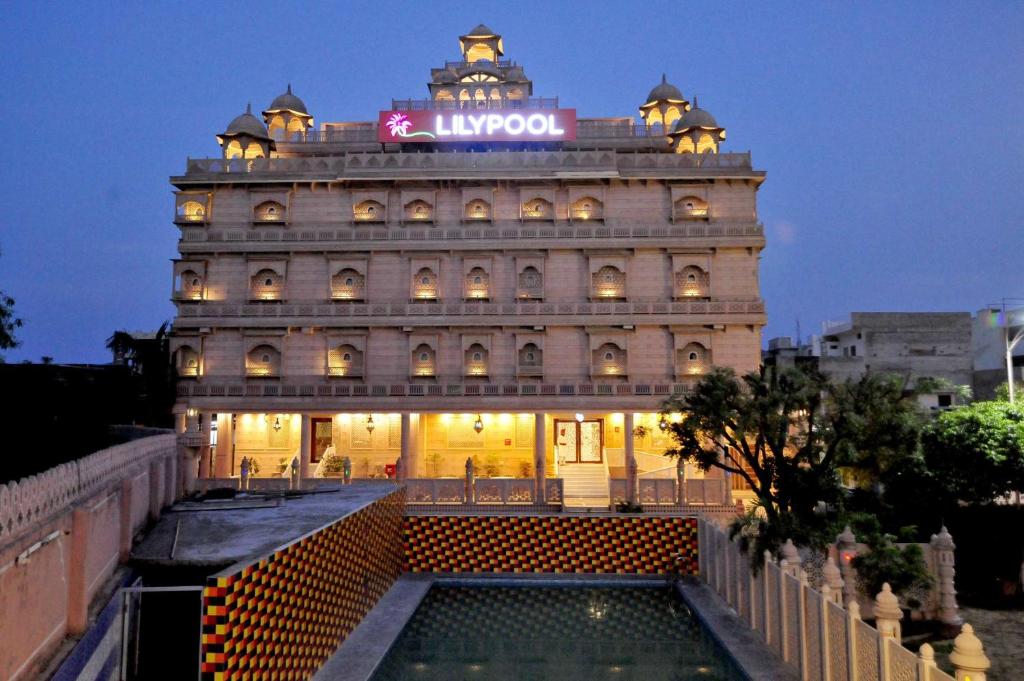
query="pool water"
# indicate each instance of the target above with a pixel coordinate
(554, 634)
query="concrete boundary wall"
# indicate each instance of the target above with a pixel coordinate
(62, 535)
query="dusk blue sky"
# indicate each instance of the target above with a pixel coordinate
(891, 132)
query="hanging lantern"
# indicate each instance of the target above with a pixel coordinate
(478, 425)
(277, 423)
(369, 424)
(662, 423)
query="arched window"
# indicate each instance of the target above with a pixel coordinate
(192, 211)
(464, 96)
(444, 96)
(685, 145)
(419, 211)
(609, 360)
(269, 211)
(477, 209)
(276, 126)
(188, 361)
(424, 284)
(707, 143)
(254, 150)
(476, 360)
(344, 361)
(263, 361)
(691, 282)
(671, 116)
(233, 150)
(609, 282)
(654, 117)
(479, 51)
(368, 211)
(538, 209)
(531, 283)
(531, 360)
(296, 129)
(514, 94)
(478, 284)
(348, 284)
(693, 360)
(267, 285)
(423, 361)
(691, 208)
(587, 208)
(190, 286)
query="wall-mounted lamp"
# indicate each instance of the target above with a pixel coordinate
(579, 417)
(277, 423)
(369, 424)
(478, 425)
(662, 423)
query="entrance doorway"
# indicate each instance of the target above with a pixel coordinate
(323, 437)
(579, 441)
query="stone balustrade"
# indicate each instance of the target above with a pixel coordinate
(347, 232)
(430, 311)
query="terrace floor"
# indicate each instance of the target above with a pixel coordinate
(222, 532)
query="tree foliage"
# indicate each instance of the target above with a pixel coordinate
(975, 453)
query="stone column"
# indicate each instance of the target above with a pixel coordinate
(627, 436)
(416, 466)
(539, 457)
(408, 467)
(205, 453)
(681, 481)
(834, 580)
(968, 656)
(792, 557)
(305, 447)
(225, 443)
(942, 551)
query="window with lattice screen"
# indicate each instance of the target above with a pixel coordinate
(348, 284)
(691, 282)
(266, 285)
(609, 282)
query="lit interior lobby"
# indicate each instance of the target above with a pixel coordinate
(571, 459)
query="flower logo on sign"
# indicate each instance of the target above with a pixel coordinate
(398, 125)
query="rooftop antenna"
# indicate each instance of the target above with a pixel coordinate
(798, 332)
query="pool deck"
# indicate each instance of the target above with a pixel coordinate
(219, 533)
(361, 653)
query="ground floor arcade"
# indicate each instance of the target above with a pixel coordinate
(596, 457)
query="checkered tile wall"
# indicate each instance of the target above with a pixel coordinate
(613, 544)
(281, 617)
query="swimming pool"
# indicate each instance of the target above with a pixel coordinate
(556, 633)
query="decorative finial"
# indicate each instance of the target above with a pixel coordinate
(695, 102)
(248, 108)
(663, 79)
(289, 88)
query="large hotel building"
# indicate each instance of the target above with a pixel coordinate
(480, 274)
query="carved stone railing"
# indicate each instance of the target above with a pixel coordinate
(484, 493)
(522, 163)
(35, 499)
(313, 386)
(663, 492)
(188, 309)
(347, 231)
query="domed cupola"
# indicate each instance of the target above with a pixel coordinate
(696, 132)
(481, 44)
(287, 116)
(664, 105)
(246, 137)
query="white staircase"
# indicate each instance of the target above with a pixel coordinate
(585, 486)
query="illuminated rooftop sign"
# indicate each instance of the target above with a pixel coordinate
(522, 125)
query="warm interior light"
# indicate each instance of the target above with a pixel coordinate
(277, 423)
(369, 424)
(579, 417)
(478, 425)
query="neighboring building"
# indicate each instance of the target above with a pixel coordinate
(988, 347)
(913, 345)
(477, 274)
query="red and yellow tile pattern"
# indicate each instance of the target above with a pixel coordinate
(606, 544)
(281, 617)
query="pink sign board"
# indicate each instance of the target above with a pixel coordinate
(516, 125)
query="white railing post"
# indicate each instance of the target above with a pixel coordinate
(925, 662)
(852, 617)
(737, 578)
(784, 613)
(725, 570)
(826, 659)
(753, 590)
(768, 608)
(801, 623)
(968, 656)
